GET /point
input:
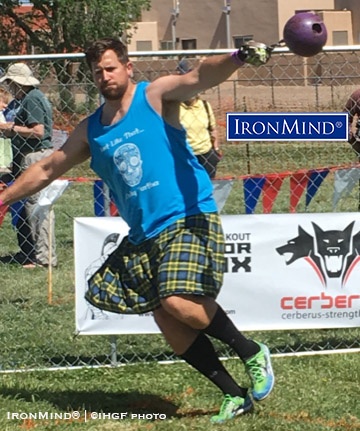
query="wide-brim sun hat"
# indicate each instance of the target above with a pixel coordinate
(21, 74)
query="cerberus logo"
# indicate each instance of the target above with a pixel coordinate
(331, 253)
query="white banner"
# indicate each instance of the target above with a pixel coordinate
(283, 271)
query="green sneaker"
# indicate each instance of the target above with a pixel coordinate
(261, 374)
(231, 407)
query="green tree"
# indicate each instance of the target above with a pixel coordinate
(58, 26)
(64, 26)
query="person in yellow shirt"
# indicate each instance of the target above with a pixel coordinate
(198, 119)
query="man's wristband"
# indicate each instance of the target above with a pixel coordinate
(238, 57)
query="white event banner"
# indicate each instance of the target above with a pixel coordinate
(283, 271)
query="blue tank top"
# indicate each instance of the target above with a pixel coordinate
(150, 169)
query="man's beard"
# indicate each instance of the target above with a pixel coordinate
(113, 93)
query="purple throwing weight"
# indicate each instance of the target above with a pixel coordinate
(305, 34)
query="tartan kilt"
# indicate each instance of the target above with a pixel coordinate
(186, 258)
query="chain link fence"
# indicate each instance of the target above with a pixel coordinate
(37, 305)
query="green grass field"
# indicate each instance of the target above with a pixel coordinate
(312, 392)
(317, 393)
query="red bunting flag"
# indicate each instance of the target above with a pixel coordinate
(271, 188)
(298, 183)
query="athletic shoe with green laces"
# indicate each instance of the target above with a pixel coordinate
(261, 374)
(232, 407)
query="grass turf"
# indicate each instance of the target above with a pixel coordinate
(315, 393)
(311, 393)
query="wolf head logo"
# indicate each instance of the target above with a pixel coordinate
(302, 246)
(331, 253)
(298, 247)
(333, 248)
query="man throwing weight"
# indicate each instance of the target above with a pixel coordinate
(172, 261)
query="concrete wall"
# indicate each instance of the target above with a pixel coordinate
(208, 23)
(287, 8)
(338, 21)
(144, 31)
(354, 7)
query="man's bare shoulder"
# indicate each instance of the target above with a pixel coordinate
(173, 88)
(355, 96)
(78, 138)
(82, 128)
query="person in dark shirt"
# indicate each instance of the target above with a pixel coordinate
(352, 107)
(30, 131)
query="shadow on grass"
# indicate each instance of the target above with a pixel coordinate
(97, 401)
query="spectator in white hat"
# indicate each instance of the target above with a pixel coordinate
(30, 133)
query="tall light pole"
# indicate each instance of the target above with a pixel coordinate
(227, 10)
(175, 11)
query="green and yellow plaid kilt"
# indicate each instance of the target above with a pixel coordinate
(186, 258)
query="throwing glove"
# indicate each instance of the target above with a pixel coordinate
(254, 53)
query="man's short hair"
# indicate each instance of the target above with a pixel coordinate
(96, 50)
